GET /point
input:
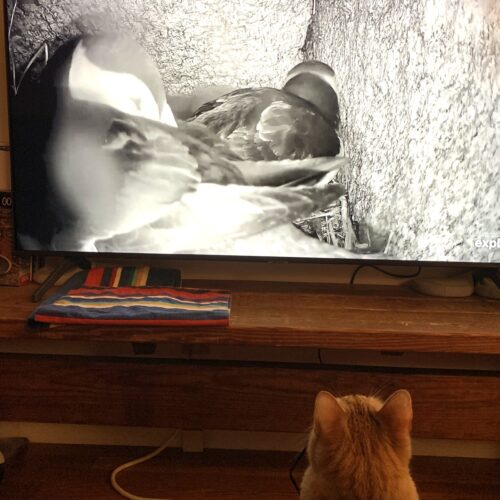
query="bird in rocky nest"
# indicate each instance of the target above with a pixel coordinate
(131, 172)
(300, 120)
(214, 215)
(116, 162)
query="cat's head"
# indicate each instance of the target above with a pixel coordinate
(360, 439)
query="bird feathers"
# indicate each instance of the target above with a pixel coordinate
(269, 124)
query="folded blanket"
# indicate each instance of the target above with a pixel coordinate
(133, 296)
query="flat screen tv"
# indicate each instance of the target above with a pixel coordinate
(308, 129)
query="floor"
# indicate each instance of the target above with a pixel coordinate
(57, 472)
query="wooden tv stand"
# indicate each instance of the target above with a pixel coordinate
(256, 395)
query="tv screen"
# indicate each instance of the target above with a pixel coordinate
(305, 129)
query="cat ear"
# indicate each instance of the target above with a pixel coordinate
(329, 417)
(397, 413)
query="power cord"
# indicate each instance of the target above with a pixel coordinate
(137, 461)
(320, 357)
(160, 449)
(388, 273)
(293, 466)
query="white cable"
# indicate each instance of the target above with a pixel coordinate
(12, 61)
(43, 48)
(137, 461)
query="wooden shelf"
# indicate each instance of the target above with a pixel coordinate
(302, 315)
(231, 395)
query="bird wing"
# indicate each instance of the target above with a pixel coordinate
(190, 142)
(156, 159)
(234, 117)
(296, 131)
(209, 138)
(214, 214)
(291, 172)
(130, 173)
(269, 124)
(216, 160)
(230, 97)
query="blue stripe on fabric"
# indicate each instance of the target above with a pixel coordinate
(133, 312)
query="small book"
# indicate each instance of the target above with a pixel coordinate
(133, 296)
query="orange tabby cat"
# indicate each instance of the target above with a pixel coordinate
(360, 449)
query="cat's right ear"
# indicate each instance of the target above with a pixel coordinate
(329, 417)
(397, 413)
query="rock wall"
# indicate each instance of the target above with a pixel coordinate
(420, 89)
(194, 42)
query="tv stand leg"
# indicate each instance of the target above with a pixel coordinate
(63, 267)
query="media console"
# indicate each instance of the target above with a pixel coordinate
(449, 403)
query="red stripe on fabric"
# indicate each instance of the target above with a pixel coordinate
(94, 276)
(156, 322)
(124, 291)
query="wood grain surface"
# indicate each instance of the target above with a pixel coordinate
(82, 472)
(302, 315)
(234, 396)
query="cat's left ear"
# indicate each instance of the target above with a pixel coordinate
(329, 417)
(397, 413)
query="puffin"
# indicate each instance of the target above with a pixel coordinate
(225, 216)
(115, 159)
(115, 70)
(131, 172)
(298, 121)
(110, 69)
(214, 216)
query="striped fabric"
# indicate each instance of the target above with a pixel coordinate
(131, 276)
(100, 296)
